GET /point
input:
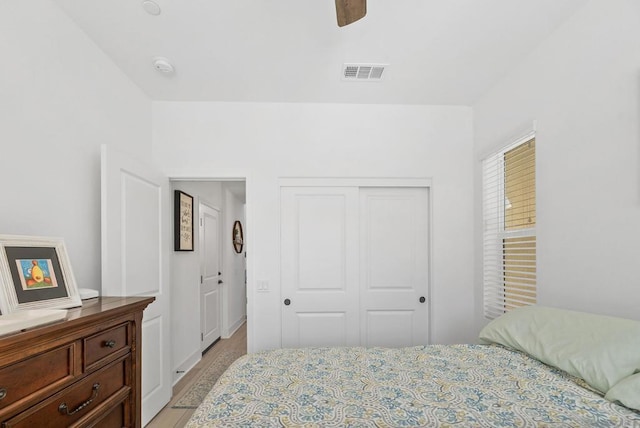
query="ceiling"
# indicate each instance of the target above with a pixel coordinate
(437, 51)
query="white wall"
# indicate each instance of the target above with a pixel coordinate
(235, 312)
(60, 99)
(267, 141)
(582, 87)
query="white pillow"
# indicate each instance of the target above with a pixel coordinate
(600, 349)
(627, 392)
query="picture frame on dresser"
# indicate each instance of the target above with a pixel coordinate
(35, 273)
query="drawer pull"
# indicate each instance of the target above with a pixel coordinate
(110, 343)
(65, 410)
(3, 393)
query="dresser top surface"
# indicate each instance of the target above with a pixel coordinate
(91, 311)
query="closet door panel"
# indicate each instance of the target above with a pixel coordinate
(319, 266)
(394, 266)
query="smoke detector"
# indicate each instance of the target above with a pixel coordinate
(363, 72)
(162, 65)
(151, 7)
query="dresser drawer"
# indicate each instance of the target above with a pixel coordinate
(76, 401)
(115, 417)
(109, 343)
(37, 375)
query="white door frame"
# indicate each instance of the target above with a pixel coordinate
(177, 176)
(425, 182)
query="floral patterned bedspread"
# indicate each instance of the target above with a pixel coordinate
(432, 386)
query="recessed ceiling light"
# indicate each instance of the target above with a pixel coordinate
(151, 7)
(163, 65)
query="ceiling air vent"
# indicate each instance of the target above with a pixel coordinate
(363, 72)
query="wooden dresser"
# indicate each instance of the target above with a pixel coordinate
(84, 371)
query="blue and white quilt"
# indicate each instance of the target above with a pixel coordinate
(425, 386)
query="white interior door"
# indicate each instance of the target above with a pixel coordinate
(394, 266)
(210, 277)
(319, 266)
(136, 243)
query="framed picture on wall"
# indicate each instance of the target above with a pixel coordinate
(35, 273)
(183, 221)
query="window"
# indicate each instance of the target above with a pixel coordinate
(509, 237)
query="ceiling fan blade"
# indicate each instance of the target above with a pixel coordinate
(349, 11)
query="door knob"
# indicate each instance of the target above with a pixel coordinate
(422, 299)
(287, 302)
(219, 281)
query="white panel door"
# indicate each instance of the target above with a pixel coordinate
(319, 266)
(136, 243)
(210, 293)
(394, 266)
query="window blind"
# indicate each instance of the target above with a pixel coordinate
(509, 235)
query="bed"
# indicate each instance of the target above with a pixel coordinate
(493, 384)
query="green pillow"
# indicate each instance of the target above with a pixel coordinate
(627, 392)
(600, 349)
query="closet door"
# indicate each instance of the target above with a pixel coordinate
(319, 266)
(394, 266)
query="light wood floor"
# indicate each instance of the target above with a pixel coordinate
(177, 418)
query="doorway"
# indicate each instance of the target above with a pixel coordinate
(195, 282)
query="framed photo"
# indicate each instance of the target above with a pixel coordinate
(183, 221)
(35, 273)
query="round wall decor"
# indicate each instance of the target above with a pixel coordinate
(237, 237)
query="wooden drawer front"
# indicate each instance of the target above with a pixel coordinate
(114, 418)
(36, 375)
(108, 343)
(80, 399)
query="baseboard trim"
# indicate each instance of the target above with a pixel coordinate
(186, 366)
(235, 327)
